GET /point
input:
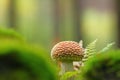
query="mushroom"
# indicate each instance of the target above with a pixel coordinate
(67, 52)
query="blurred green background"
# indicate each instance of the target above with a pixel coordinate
(46, 22)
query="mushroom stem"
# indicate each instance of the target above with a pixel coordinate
(66, 67)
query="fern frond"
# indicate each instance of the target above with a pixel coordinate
(107, 47)
(81, 43)
(90, 49)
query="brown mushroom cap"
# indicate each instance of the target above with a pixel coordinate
(67, 51)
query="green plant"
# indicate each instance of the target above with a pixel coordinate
(105, 66)
(22, 61)
(17, 58)
(9, 34)
(68, 75)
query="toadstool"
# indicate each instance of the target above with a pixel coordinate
(66, 52)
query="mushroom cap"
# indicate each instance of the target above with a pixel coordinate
(67, 51)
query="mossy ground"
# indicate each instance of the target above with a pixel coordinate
(20, 60)
(104, 66)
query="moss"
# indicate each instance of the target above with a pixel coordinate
(104, 66)
(10, 33)
(17, 58)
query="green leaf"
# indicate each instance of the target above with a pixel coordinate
(107, 47)
(91, 49)
(68, 75)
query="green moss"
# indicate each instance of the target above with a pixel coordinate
(104, 66)
(10, 33)
(17, 58)
(22, 61)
